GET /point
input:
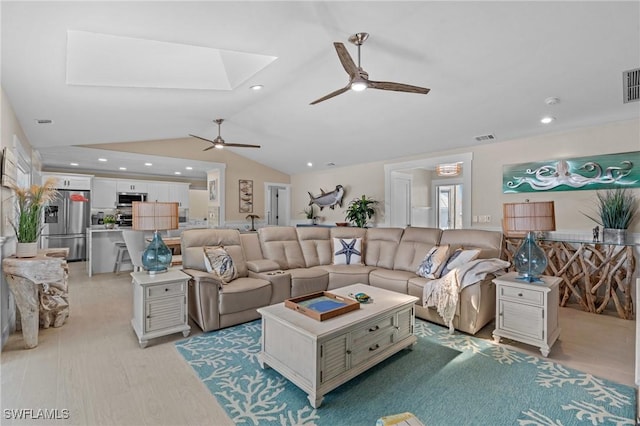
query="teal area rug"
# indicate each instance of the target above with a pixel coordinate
(445, 380)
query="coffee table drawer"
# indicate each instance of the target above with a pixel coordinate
(372, 329)
(372, 347)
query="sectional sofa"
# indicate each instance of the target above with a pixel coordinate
(277, 263)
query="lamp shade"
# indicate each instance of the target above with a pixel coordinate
(538, 216)
(155, 217)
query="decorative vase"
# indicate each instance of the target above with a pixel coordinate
(27, 249)
(157, 256)
(530, 260)
(614, 236)
(109, 225)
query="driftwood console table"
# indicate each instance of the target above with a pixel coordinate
(594, 275)
(39, 286)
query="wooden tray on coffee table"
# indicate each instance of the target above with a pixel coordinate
(321, 305)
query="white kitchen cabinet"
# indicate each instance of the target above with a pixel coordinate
(159, 304)
(527, 312)
(70, 181)
(158, 191)
(179, 193)
(131, 186)
(103, 193)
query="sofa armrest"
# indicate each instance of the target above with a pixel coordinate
(262, 265)
(203, 276)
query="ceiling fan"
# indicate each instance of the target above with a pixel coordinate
(219, 143)
(359, 78)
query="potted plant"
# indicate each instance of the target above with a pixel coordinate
(310, 214)
(616, 209)
(28, 223)
(360, 210)
(109, 221)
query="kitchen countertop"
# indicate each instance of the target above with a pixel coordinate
(101, 228)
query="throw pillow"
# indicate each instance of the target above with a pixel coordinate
(347, 251)
(459, 258)
(218, 261)
(433, 262)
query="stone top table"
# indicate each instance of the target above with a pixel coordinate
(39, 286)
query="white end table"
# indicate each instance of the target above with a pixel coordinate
(527, 312)
(159, 304)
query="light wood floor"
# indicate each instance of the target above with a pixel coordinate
(93, 366)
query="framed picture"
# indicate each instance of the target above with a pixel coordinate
(213, 190)
(246, 195)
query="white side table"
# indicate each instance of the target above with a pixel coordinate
(527, 312)
(159, 305)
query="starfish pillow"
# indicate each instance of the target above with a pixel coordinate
(347, 251)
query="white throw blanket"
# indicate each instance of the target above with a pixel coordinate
(443, 292)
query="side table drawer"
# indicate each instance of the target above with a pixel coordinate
(166, 289)
(521, 294)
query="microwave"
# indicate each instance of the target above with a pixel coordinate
(126, 199)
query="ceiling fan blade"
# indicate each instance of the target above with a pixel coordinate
(332, 94)
(208, 140)
(241, 145)
(345, 60)
(208, 148)
(398, 87)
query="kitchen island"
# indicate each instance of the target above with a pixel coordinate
(101, 249)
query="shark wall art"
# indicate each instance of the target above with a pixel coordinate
(328, 199)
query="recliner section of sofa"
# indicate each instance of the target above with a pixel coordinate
(295, 261)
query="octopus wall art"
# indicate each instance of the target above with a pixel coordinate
(598, 172)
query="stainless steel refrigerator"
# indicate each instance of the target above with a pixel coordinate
(65, 223)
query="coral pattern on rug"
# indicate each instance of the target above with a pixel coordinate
(445, 379)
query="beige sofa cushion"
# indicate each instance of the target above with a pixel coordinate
(381, 245)
(391, 280)
(280, 244)
(489, 242)
(315, 242)
(193, 240)
(343, 275)
(413, 247)
(244, 293)
(308, 280)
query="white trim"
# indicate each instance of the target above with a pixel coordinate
(429, 163)
(267, 201)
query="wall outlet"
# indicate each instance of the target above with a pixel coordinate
(475, 219)
(484, 218)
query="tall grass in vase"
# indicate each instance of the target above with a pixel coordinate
(616, 210)
(30, 203)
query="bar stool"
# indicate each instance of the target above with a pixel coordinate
(122, 256)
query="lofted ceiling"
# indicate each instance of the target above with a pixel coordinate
(489, 65)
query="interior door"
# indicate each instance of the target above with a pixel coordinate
(401, 199)
(449, 206)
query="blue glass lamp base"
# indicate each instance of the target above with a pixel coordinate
(530, 260)
(157, 256)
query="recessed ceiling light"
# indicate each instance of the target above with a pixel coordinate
(256, 87)
(102, 159)
(188, 168)
(309, 164)
(547, 119)
(122, 168)
(177, 173)
(44, 121)
(552, 100)
(148, 164)
(73, 164)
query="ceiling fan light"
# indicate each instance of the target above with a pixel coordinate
(358, 84)
(219, 146)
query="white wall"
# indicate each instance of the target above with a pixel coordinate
(488, 159)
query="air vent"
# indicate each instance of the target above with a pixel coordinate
(331, 164)
(485, 138)
(44, 121)
(631, 85)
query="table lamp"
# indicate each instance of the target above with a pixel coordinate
(529, 260)
(155, 217)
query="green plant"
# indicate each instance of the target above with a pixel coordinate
(360, 210)
(109, 219)
(616, 208)
(29, 204)
(309, 212)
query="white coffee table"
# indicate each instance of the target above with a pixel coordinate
(318, 356)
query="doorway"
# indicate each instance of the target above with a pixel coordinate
(448, 205)
(277, 211)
